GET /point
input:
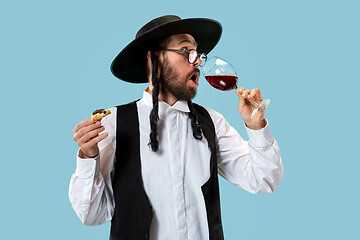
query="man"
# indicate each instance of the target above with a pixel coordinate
(153, 173)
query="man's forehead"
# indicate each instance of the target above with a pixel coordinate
(182, 38)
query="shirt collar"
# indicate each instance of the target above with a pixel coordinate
(181, 106)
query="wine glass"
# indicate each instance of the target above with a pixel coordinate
(222, 76)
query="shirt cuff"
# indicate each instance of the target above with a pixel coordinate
(260, 138)
(87, 167)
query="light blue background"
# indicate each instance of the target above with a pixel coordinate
(304, 55)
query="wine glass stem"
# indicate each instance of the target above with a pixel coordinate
(253, 103)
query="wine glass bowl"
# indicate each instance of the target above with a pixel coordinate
(221, 75)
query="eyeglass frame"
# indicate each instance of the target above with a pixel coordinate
(188, 52)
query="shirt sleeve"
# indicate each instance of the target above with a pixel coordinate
(253, 165)
(90, 190)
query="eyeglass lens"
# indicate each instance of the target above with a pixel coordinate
(203, 59)
(193, 56)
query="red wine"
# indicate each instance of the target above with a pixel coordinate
(222, 82)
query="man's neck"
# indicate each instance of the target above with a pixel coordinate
(169, 99)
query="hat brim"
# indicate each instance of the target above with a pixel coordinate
(129, 64)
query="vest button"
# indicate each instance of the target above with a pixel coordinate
(147, 235)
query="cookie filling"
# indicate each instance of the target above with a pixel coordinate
(99, 111)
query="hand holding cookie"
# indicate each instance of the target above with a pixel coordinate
(87, 134)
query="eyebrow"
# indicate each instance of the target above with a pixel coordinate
(187, 41)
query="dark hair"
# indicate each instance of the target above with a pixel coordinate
(154, 114)
(153, 47)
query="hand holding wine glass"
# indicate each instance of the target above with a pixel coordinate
(222, 76)
(246, 108)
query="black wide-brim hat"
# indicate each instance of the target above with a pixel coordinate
(129, 64)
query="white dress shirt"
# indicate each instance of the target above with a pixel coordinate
(173, 175)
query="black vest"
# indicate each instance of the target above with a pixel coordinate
(133, 213)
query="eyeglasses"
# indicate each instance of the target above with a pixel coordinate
(193, 55)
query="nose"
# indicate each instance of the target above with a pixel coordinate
(197, 62)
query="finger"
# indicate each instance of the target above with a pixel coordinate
(252, 93)
(82, 124)
(85, 130)
(258, 94)
(242, 96)
(240, 91)
(245, 94)
(242, 99)
(94, 141)
(252, 96)
(89, 135)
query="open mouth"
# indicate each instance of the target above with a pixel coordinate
(194, 77)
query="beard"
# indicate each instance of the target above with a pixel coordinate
(171, 83)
